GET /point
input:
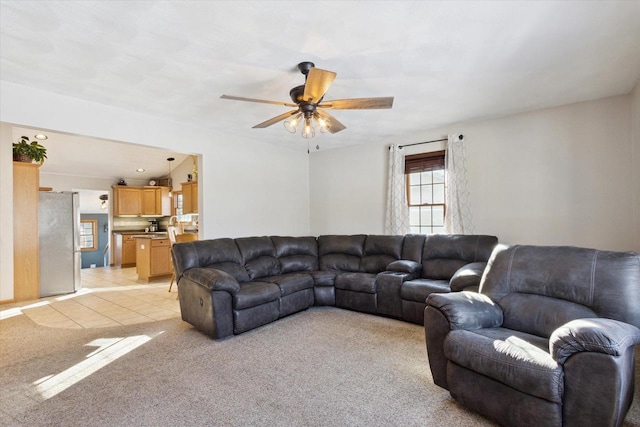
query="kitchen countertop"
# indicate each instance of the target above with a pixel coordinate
(151, 236)
(142, 232)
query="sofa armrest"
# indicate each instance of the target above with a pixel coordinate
(405, 266)
(467, 310)
(467, 275)
(599, 335)
(212, 279)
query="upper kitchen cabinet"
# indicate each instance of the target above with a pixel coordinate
(151, 201)
(156, 201)
(127, 200)
(189, 197)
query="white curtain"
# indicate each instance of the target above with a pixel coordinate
(397, 215)
(457, 219)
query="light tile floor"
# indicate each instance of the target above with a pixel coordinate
(110, 296)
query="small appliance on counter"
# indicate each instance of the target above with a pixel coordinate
(153, 227)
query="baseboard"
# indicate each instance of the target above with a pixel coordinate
(7, 301)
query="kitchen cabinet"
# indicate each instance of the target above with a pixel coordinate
(156, 201)
(137, 201)
(125, 250)
(153, 256)
(126, 200)
(26, 254)
(189, 197)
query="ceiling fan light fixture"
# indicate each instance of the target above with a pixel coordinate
(324, 125)
(291, 124)
(308, 131)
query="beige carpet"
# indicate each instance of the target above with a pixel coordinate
(321, 367)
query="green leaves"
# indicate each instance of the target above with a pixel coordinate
(29, 148)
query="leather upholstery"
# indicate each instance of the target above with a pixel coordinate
(449, 263)
(296, 253)
(552, 332)
(369, 273)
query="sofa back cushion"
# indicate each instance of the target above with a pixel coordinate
(443, 254)
(296, 253)
(540, 288)
(341, 253)
(412, 247)
(221, 254)
(259, 256)
(380, 251)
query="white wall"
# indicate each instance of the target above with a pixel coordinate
(246, 188)
(635, 132)
(559, 176)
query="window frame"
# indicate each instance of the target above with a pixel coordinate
(426, 162)
(94, 235)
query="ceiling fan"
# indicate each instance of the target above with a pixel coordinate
(309, 106)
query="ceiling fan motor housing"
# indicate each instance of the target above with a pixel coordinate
(305, 66)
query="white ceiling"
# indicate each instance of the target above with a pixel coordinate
(444, 62)
(80, 156)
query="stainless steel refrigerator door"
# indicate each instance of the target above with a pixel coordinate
(77, 251)
(56, 222)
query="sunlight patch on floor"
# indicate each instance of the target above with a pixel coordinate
(109, 349)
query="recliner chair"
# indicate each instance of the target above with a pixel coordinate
(548, 340)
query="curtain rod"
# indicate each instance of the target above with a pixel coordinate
(427, 142)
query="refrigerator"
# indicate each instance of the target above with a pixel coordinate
(59, 232)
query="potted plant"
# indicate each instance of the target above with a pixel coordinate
(29, 151)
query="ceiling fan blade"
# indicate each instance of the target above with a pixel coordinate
(318, 81)
(358, 103)
(262, 101)
(276, 119)
(336, 126)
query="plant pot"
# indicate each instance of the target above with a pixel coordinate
(22, 158)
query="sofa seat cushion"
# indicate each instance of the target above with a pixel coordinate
(517, 359)
(418, 290)
(291, 283)
(252, 294)
(357, 282)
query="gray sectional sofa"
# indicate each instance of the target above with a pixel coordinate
(229, 286)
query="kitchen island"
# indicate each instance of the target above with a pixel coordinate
(153, 256)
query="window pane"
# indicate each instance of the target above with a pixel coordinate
(414, 230)
(425, 215)
(414, 216)
(414, 179)
(425, 230)
(427, 195)
(414, 195)
(425, 177)
(438, 230)
(438, 193)
(438, 215)
(438, 176)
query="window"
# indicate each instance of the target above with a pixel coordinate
(426, 192)
(88, 235)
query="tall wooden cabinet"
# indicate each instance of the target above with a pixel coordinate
(26, 255)
(189, 197)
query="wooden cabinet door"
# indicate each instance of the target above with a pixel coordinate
(160, 257)
(26, 246)
(151, 202)
(127, 201)
(189, 197)
(128, 251)
(194, 198)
